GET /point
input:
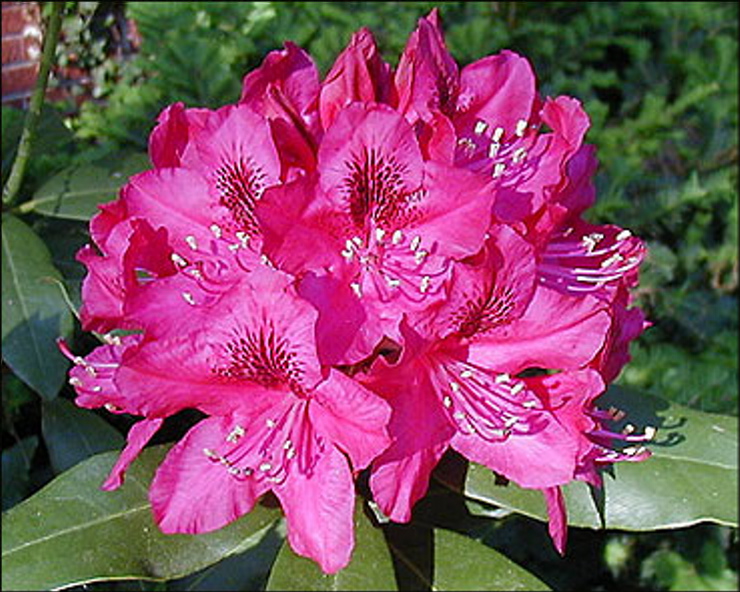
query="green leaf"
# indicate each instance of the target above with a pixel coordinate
(371, 567)
(72, 434)
(34, 311)
(461, 563)
(76, 192)
(72, 533)
(16, 462)
(690, 478)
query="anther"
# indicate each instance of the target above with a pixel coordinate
(519, 155)
(235, 434)
(192, 243)
(210, 453)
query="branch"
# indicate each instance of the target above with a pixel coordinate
(13, 184)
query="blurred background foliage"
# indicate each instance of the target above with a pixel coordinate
(660, 82)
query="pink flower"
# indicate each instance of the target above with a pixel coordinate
(385, 225)
(281, 247)
(277, 421)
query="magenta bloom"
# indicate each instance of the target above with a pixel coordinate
(281, 247)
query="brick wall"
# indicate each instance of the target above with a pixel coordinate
(21, 51)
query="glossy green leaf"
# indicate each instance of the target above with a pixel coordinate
(461, 563)
(690, 478)
(72, 434)
(34, 311)
(16, 463)
(72, 533)
(76, 192)
(371, 567)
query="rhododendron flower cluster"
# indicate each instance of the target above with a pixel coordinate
(360, 273)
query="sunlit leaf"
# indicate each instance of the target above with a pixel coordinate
(76, 192)
(691, 477)
(71, 532)
(461, 563)
(34, 311)
(371, 567)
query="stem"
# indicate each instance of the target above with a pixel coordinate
(13, 184)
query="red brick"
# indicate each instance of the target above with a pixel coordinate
(19, 78)
(15, 18)
(20, 49)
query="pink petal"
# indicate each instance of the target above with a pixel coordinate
(491, 289)
(292, 220)
(192, 493)
(420, 430)
(352, 417)
(556, 331)
(455, 212)
(138, 437)
(499, 90)
(558, 526)
(339, 337)
(427, 75)
(544, 445)
(319, 511)
(171, 136)
(285, 85)
(177, 199)
(398, 483)
(368, 157)
(236, 153)
(358, 74)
